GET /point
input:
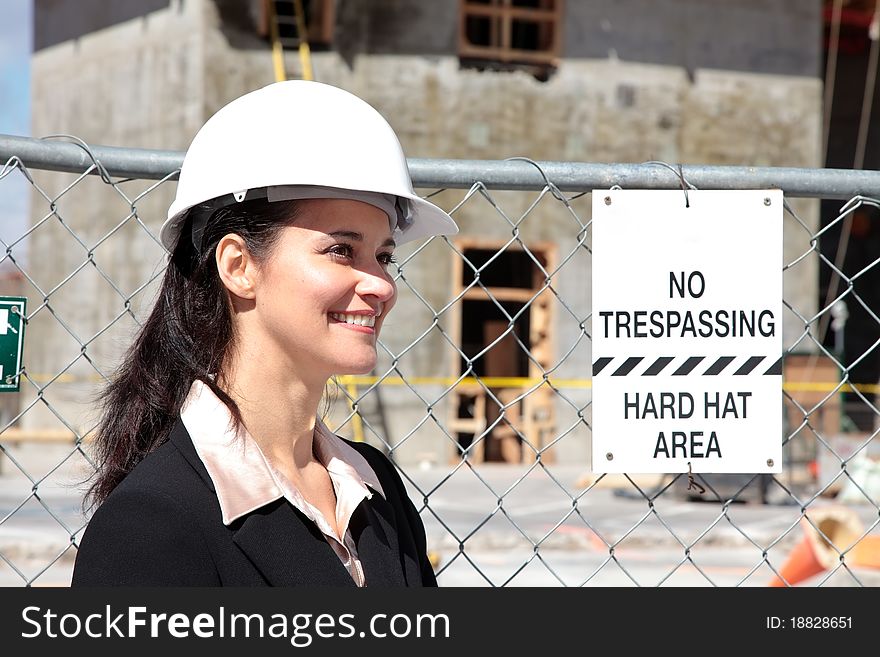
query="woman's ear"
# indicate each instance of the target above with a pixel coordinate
(235, 266)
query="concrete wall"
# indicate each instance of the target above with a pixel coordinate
(57, 21)
(136, 83)
(605, 109)
(759, 36)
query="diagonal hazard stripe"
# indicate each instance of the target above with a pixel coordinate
(658, 365)
(600, 364)
(718, 366)
(627, 366)
(776, 368)
(749, 365)
(688, 366)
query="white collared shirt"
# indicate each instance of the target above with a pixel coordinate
(245, 480)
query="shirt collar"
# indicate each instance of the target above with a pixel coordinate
(242, 476)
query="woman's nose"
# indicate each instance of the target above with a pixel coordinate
(376, 284)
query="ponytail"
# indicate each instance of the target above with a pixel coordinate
(187, 337)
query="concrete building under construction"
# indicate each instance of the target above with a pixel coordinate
(679, 81)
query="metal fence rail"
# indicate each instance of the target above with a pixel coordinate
(512, 174)
(482, 391)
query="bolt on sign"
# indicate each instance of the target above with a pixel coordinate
(687, 331)
(12, 314)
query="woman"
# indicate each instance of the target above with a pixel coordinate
(214, 467)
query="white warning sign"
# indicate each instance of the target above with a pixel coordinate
(687, 331)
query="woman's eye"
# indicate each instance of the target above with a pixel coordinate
(387, 258)
(341, 251)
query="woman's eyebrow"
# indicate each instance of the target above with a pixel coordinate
(358, 237)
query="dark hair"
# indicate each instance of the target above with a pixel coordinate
(187, 336)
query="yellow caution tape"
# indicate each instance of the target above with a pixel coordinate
(348, 380)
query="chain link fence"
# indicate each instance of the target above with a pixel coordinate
(482, 391)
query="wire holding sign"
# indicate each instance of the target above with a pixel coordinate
(13, 311)
(687, 347)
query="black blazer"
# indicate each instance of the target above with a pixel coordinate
(161, 526)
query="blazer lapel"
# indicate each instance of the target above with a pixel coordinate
(376, 539)
(181, 439)
(289, 550)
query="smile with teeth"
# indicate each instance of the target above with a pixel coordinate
(357, 320)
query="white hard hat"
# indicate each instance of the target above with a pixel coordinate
(301, 134)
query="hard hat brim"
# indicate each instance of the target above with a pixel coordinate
(428, 220)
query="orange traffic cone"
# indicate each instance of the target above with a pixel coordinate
(865, 553)
(802, 563)
(817, 553)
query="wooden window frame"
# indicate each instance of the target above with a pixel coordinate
(538, 416)
(500, 48)
(320, 32)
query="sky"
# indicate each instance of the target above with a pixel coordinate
(15, 112)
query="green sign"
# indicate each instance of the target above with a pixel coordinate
(12, 314)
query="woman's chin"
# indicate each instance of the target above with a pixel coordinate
(357, 368)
